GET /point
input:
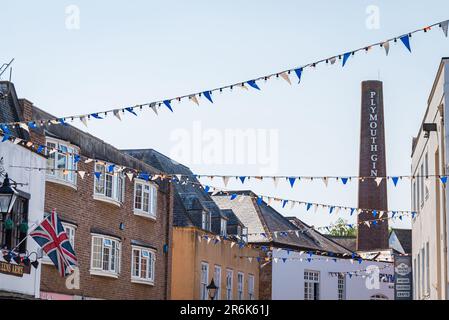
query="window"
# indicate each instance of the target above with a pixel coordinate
(206, 221)
(250, 287)
(61, 163)
(70, 231)
(229, 275)
(109, 184)
(414, 280)
(415, 207)
(204, 279)
(145, 198)
(245, 235)
(217, 280)
(223, 227)
(426, 174)
(105, 255)
(143, 265)
(418, 279)
(423, 273)
(12, 230)
(311, 285)
(422, 185)
(240, 286)
(341, 287)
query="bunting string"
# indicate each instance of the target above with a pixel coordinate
(195, 97)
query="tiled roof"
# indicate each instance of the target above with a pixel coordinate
(347, 242)
(261, 218)
(192, 199)
(10, 110)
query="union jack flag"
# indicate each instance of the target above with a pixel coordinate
(51, 236)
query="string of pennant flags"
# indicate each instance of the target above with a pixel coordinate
(405, 39)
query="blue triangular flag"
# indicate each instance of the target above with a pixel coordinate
(242, 179)
(443, 180)
(131, 110)
(352, 211)
(40, 149)
(111, 168)
(32, 125)
(233, 196)
(62, 121)
(309, 259)
(284, 203)
(395, 180)
(374, 213)
(259, 200)
(344, 180)
(253, 84)
(206, 189)
(208, 96)
(413, 215)
(298, 74)
(168, 105)
(284, 259)
(406, 41)
(97, 174)
(96, 116)
(309, 205)
(360, 260)
(346, 57)
(77, 158)
(331, 210)
(292, 181)
(5, 137)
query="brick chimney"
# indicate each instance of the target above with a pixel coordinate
(26, 108)
(372, 164)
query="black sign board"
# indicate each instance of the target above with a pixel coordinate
(403, 278)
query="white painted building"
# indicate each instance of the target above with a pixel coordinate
(324, 279)
(33, 182)
(429, 196)
(297, 278)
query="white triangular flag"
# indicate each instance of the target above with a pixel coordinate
(81, 173)
(24, 127)
(153, 106)
(232, 244)
(386, 46)
(117, 114)
(275, 260)
(326, 181)
(88, 160)
(275, 182)
(199, 238)
(333, 60)
(195, 100)
(444, 26)
(316, 208)
(285, 76)
(84, 120)
(378, 181)
(208, 240)
(178, 176)
(292, 205)
(297, 233)
(337, 210)
(130, 176)
(29, 144)
(368, 224)
(17, 140)
(225, 181)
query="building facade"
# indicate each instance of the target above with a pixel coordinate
(303, 263)
(120, 227)
(18, 279)
(208, 243)
(429, 194)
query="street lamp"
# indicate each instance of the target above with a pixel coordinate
(212, 289)
(8, 196)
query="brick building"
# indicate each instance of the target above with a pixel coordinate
(121, 229)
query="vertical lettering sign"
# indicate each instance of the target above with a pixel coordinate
(372, 165)
(403, 275)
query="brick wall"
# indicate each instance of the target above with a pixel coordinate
(266, 282)
(78, 206)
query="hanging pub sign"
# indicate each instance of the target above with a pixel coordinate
(403, 285)
(12, 269)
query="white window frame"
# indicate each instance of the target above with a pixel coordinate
(229, 284)
(206, 220)
(341, 286)
(106, 241)
(240, 285)
(251, 281)
(223, 227)
(204, 281)
(144, 254)
(217, 281)
(117, 181)
(152, 199)
(311, 285)
(55, 174)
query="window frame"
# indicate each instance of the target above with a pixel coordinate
(117, 251)
(251, 286)
(152, 199)
(117, 182)
(217, 281)
(229, 284)
(223, 227)
(55, 174)
(341, 286)
(311, 285)
(204, 282)
(240, 285)
(151, 265)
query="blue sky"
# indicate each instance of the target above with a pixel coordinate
(129, 53)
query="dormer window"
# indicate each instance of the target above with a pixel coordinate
(206, 221)
(61, 165)
(223, 227)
